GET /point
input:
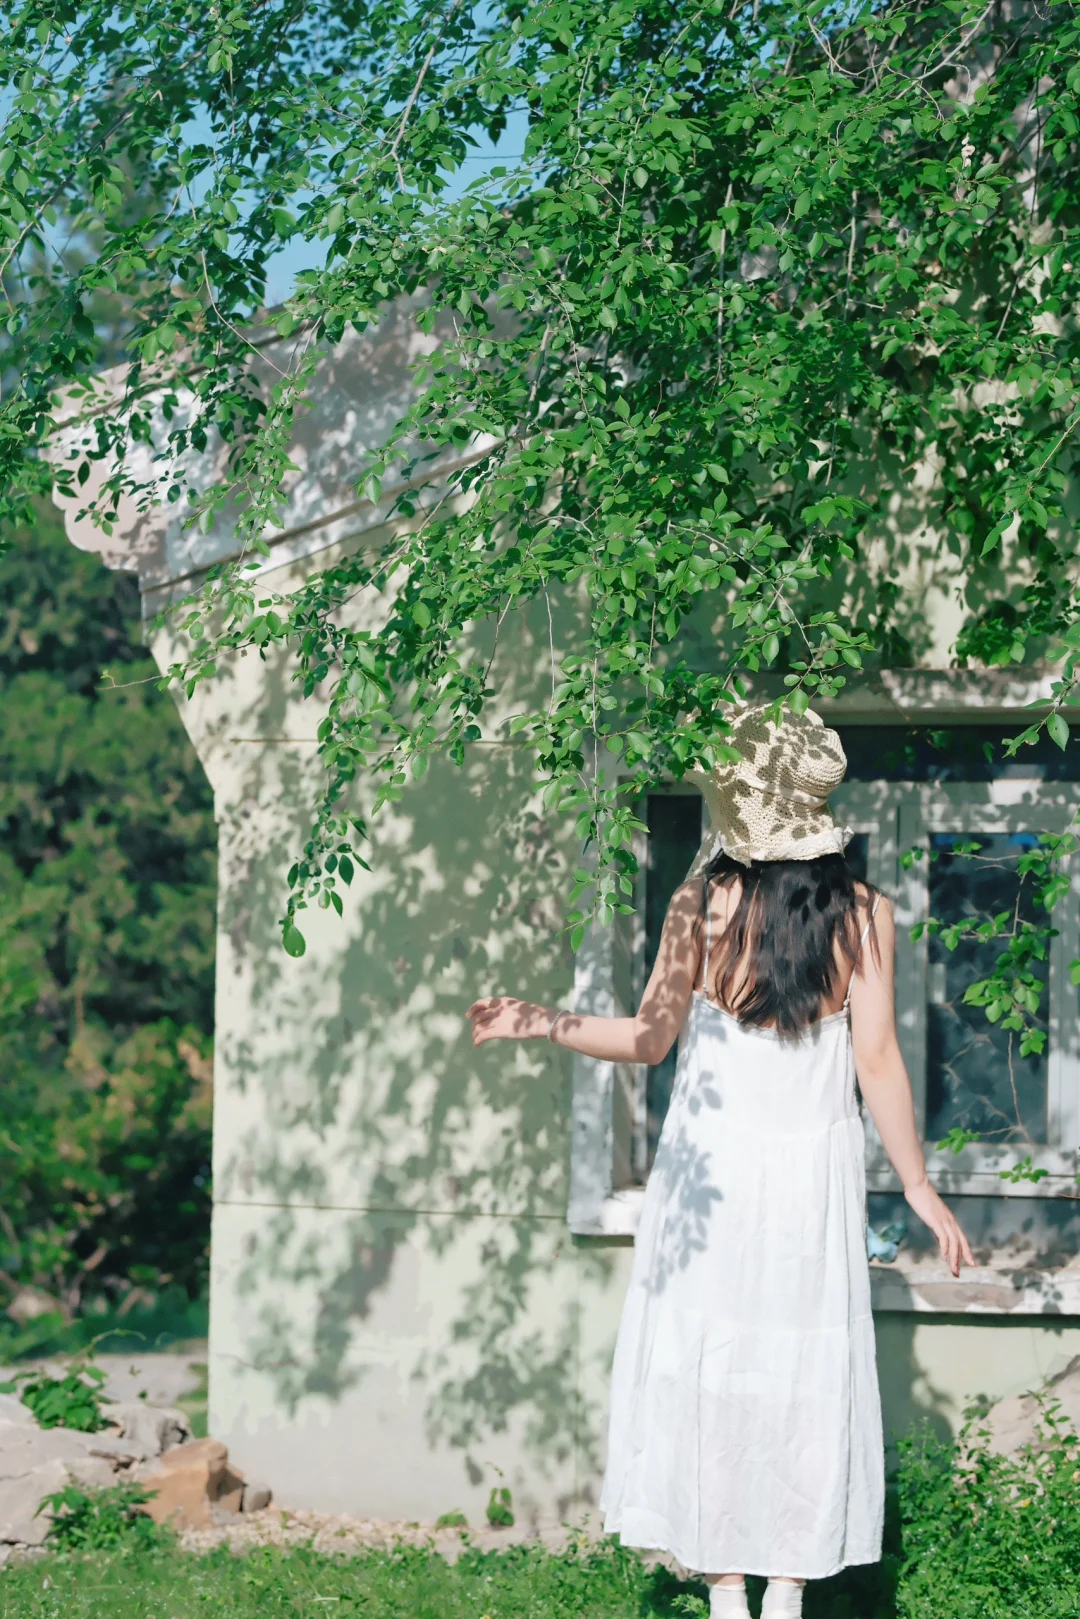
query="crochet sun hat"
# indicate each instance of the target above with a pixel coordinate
(772, 804)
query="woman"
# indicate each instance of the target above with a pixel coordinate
(745, 1432)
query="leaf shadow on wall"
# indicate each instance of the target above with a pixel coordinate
(348, 1084)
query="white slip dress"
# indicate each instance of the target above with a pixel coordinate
(745, 1427)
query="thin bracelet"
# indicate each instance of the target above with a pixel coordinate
(554, 1022)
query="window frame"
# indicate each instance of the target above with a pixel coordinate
(895, 816)
(906, 814)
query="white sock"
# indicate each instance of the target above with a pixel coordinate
(728, 1602)
(783, 1600)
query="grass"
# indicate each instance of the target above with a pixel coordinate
(983, 1536)
(591, 1581)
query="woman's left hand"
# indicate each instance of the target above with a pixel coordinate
(504, 1018)
(935, 1212)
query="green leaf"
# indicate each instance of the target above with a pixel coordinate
(657, 416)
(1058, 728)
(957, 1139)
(293, 940)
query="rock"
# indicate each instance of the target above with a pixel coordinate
(21, 1495)
(36, 1462)
(150, 1427)
(121, 1452)
(13, 1410)
(256, 1497)
(1012, 1422)
(92, 1473)
(230, 1494)
(23, 1448)
(185, 1480)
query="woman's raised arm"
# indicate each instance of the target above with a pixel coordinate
(645, 1038)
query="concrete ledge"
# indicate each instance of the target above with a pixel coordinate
(1017, 1285)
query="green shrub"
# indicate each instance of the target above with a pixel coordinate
(499, 1510)
(73, 1401)
(103, 1520)
(988, 1536)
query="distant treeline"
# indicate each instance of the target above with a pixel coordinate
(107, 893)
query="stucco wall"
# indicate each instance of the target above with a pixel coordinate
(400, 1318)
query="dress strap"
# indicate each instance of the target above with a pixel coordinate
(862, 940)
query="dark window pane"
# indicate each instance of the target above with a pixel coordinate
(857, 853)
(674, 822)
(952, 753)
(975, 1076)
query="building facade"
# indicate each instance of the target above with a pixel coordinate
(420, 1251)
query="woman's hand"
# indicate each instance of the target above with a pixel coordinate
(943, 1223)
(504, 1018)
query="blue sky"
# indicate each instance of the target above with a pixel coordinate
(298, 255)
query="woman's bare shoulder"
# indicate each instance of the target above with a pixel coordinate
(689, 896)
(871, 899)
(873, 911)
(723, 897)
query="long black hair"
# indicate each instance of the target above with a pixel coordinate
(776, 960)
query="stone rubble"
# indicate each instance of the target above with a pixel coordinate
(191, 1479)
(152, 1428)
(212, 1504)
(185, 1480)
(335, 1532)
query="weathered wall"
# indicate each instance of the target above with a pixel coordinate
(400, 1318)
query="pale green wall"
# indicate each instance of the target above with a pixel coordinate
(932, 1366)
(400, 1318)
(398, 1309)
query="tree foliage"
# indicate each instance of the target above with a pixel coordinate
(758, 263)
(106, 943)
